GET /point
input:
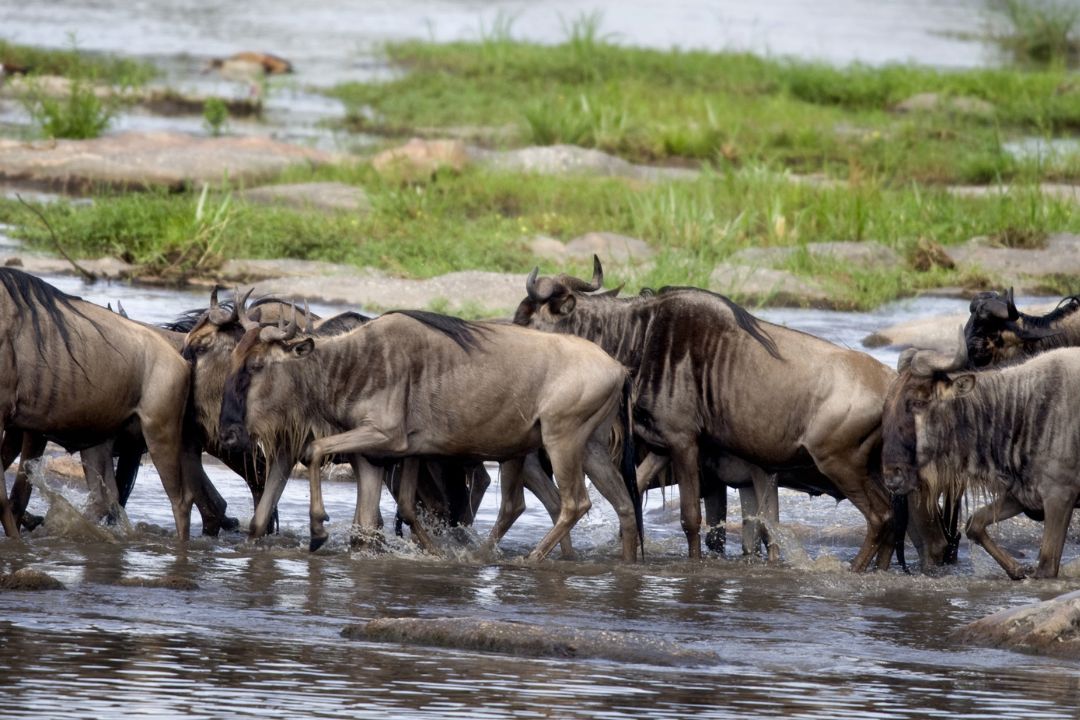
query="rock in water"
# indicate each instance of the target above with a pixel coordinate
(1046, 628)
(526, 639)
(29, 579)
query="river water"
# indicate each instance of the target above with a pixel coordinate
(232, 628)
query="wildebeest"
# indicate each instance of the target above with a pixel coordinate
(447, 488)
(79, 373)
(1011, 431)
(709, 377)
(997, 333)
(411, 384)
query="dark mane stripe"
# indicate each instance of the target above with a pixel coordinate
(33, 295)
(743, 318)
(462, 332)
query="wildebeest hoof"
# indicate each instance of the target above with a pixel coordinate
(30, 522)
(716, 539)
(230, 524)
(317, 541)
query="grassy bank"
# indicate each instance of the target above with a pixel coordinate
(484, 220)
(73, 62)
(729, 109)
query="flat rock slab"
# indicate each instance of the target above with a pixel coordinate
(106, 268)
(527, 639)
(139, 160)
(472, 291)
(1059, 259)
(1051, 627)
(574, 160)
(766, 286)
(864, 255)
(1061, 191)
(322, 196)
(611, 248)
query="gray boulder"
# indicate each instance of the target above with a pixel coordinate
(573, 160)
(1032, 270)
(865, 255)
(765, 286)
(1045, 628)
(322, 196)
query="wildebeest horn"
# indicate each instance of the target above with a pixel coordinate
(309, 325)
(1014, 314)
(241, 312)
(282, 332)
(219, 315)
(120, 309)
(538, 290)
(925, 363)
(580, 285)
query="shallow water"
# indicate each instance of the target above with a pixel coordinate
(261, 634)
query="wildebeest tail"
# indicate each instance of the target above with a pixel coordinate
(628, 465)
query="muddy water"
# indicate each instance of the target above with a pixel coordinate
(258, 631)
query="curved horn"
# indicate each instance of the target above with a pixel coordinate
(539, 290)
(282, 332)
(1014, 314)
(120, 310)
(218, 315)
(905, 359)
(241, 312)
(925, 363)
(309, 325)
(580, 285)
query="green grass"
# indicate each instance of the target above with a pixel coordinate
(484, 220)
(73, 62)
(728, 109)
(1039, 32)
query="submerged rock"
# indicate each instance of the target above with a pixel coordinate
(29, 579)
(168, 582)
(518, 638)
(1051, 627)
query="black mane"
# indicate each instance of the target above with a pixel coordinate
(32, 295)
(743, 318)
(341, 323)
(462, 332)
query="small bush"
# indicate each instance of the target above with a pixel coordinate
(1042, 32)
(215, 116)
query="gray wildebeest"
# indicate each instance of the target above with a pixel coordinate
(72, 370)
(710, 377)
(1011, 432)
(411, 384)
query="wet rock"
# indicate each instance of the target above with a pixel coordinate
(1029, 270)
(765, 286)
(1045, 628)
(67, 467)
(574, 160)
(29, 579)
(167, 582)
(473, 291)
(140, 160)
(864, 255)
(518, 638)
(937, 102)
(322, 196)
(420, 159)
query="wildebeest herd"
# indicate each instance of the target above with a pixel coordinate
(679, 384)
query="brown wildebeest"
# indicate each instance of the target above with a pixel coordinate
(1012, 431)
(411, 384)
(997, 333)
(707, 374)
(78, 372)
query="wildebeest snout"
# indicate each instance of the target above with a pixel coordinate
(233, 437)
(899, 480)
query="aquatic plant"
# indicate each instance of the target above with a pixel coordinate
(1043, 32)
(215, 116)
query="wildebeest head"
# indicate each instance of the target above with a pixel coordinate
(925, 377)
(552, 299)
(260, 399)
(996, 332)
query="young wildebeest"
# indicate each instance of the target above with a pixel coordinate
(708, 376)
(1011, 431)
(412, 384)
(78, 372)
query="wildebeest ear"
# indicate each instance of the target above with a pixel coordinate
(963, 384)
(303, 348)
(905, 359)
(566, 305)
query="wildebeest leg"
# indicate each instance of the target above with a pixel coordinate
(101, 481)
(276, 476)
(925, 528)
(751, 523)
(606, 478)
(875, 507)
(566, 460)
(1058, 505)
(31, 447)
(366, 439)
(768, 508)
(406, 501)
(512, 500)
(684, 461)
(207, 498)
(478, 481)
(715, 500)
(367, 518)
(1002, 508)
(648, 469)
(542, 485)
(127, 470)
(7, 514)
